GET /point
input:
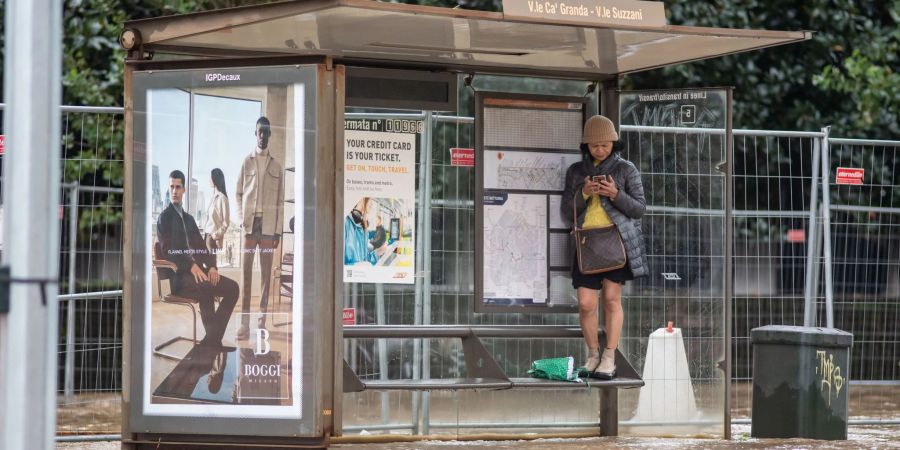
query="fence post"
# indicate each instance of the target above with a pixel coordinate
(69, 380)
(812, 248)
(426, 268)
(29, 332)
(826, 229)
(381, 319)
(729, 253)
(420, 280)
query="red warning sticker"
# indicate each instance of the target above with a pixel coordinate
(849, 175)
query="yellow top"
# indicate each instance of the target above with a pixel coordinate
(596, 216)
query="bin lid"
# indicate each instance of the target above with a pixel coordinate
(793, 335)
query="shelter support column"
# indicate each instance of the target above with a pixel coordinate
(609, 99)
(609, 412)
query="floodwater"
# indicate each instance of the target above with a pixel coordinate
(860, 437)
(885, 438)
(100, 414)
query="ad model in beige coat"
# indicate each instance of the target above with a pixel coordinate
(260, 200)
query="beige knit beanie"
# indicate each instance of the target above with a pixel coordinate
(599, 129)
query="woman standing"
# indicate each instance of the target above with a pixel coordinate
(597, 201)
(218, 214)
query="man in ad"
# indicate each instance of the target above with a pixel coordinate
(197, 276)
(260, 196)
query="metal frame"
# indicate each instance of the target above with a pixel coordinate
(480, 307)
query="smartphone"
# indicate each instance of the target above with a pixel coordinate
(598, 178)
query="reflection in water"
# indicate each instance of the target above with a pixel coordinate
(218, 374)
(209, 387)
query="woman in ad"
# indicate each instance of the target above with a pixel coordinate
(218, 213)
(605, 189)
(355, 230)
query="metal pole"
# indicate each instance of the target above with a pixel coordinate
(28, 333)
(354, 348)
(69, 386)
(729, 239)
(380, 319)
(817, 268)
(810, 290)
(426, 272)
(420, 278)
(826, 229)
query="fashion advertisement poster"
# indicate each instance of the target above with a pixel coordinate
(379, 200)
(223, 177)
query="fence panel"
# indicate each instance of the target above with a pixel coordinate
(684, 235)
(863, 186)
(775, 221)
(90, 271)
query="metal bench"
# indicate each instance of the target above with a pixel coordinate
(483, 372)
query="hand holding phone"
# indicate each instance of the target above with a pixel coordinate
(598, 178)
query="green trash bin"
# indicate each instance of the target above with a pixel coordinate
(801, 378)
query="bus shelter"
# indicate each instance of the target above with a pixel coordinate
(323, 199)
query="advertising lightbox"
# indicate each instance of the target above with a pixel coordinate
(223, 334)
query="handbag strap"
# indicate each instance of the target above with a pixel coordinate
(575, 210)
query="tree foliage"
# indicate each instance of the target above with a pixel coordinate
(846, 76)
(92, 75)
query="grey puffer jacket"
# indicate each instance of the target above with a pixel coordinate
(625, 211)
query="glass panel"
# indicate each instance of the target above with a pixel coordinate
(684, 234)
(224, 130)
(449, 301)
(168, 134)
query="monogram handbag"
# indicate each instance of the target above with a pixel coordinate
(598, 250)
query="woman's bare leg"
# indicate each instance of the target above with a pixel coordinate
(587, 314)
(612, 311)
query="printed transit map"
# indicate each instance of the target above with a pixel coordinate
(531, 171)
(515, 247)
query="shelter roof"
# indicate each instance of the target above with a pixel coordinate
(455, 39)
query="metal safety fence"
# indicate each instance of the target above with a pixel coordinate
(90, 270)
(802, 237)
(861, 198)
(780, 265)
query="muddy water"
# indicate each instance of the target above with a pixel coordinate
(861, 437)
(101, 414)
